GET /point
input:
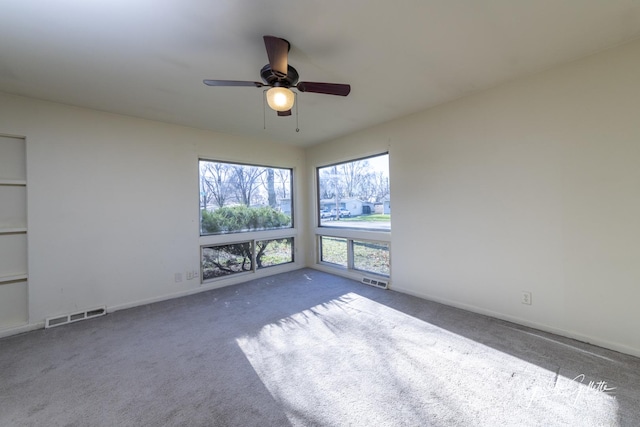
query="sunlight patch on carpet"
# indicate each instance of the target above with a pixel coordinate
(368, 364)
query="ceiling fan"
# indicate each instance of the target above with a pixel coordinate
(280, 77)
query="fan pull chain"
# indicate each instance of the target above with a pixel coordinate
(264, 109)
(295, 94)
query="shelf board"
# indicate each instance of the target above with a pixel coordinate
(13, 278)
(12, 230)
(18, 182)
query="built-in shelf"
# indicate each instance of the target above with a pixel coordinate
(17, 182)
(14, 278)
(12, 230)
(14, 293)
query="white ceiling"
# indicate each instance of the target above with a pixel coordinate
(147, 58)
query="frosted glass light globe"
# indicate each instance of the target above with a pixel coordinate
(280, 98)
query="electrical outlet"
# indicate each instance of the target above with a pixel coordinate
(526, 298)
(178, 277)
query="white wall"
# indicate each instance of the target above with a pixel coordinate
(531, 186)
(113, 203)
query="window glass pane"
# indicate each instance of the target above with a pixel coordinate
(355, 194)
(224, 260)
(371, 256)
(239, 198)
(274, 252)
(333, 250)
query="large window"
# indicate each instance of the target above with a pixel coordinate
(355, 194)
(354, 216)
(240, 198)
(254, 203)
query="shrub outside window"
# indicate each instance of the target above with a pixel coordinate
(225, 260)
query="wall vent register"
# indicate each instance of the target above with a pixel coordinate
(374, 282)
(75, 317)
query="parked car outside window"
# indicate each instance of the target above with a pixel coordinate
(342, 213)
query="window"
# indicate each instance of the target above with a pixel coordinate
(372, 257)
(363, 255)
(333, 250)
(224, 260)
(241, 198)
(246, 218)
(227, 259)
(274, 252)
(355, 194)
(354, 215)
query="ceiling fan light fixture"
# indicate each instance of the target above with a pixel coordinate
(280, 98)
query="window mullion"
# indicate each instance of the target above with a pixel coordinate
(350, 254)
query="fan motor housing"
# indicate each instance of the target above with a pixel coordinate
(270, 78)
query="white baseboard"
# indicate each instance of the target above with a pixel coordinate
(231, 280)
(535, 325)
(243, 278)
(15, 330)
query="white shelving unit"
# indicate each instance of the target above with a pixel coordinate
(14, 309)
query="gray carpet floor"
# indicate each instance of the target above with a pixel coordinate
(309, 349)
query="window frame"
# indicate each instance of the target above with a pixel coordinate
(350, 235)
(318, 215)
(361, 234)
(229, 238)
(291, 170)
(254, 265)
(351, 253)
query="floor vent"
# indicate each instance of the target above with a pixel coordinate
(75, 317)
(374, 282)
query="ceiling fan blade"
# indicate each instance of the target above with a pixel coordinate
(231, 83)
(284, 113)
(326, 88)
(277, 51)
